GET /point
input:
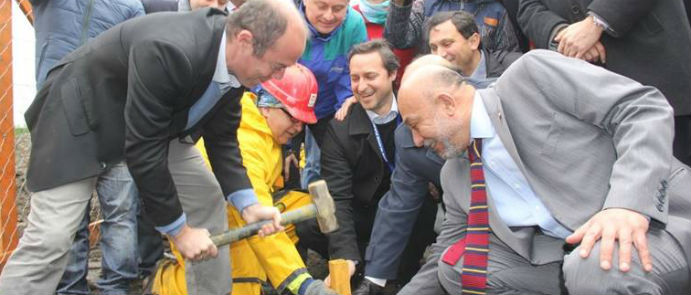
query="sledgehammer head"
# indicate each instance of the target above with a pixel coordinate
(326, 217)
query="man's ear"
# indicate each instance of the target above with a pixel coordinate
(474, 41)
(245, 38)
(446, 103)
(392, 75)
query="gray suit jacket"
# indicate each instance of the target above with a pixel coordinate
(586, 139)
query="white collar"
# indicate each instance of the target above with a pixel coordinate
(221, 75)
(480, 123)
(386, 118)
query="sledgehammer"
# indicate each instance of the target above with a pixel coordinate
(322, 208)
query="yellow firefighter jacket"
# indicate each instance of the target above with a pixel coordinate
(253, 259)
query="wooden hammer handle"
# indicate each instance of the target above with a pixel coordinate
(293, 216)
(339, 272)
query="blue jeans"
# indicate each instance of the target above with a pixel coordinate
(312, 169)
(119, 201)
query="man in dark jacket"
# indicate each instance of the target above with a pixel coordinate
(648, 41)
(358, 155)
(62, 26)
(143, 92)
(406, 20)
(454, 36)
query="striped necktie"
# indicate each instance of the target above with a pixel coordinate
(474, 272)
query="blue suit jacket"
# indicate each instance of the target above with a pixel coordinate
(415, 168)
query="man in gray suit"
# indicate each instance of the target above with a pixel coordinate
(143, 92)
(572, 153)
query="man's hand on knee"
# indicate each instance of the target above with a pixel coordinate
(626, 226)
(257, 212)
(195, 243)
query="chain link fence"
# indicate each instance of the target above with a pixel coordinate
(8, 208)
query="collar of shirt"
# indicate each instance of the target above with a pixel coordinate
(385, 118)
(480, 123)
(221, 75)
(480, 72)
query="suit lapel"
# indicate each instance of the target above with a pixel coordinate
(206, 72)
(519, 240)
(209, 67)
(360, 124)
(495, 112)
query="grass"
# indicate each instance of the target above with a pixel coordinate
(20, 131)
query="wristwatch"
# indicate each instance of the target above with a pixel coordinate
(600, 22)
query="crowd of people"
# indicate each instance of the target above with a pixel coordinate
(470, 146)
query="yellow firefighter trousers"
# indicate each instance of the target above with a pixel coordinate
(253, 259)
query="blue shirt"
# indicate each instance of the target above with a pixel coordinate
(514, 199)
(221, 83)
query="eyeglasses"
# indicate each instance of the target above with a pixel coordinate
(292, 119)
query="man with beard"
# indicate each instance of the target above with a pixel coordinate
(559, 152)
(405, 210)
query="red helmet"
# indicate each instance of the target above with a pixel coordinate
(297, 91)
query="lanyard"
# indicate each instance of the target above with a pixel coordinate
(390, 164)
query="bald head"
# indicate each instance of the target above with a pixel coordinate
(267, 20)
(429, 59)
(263, 38)
(434, 76)
(425, 60)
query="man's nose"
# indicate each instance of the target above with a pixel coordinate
(443, 53)
(328, 15)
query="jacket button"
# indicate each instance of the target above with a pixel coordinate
(576, 10)
(103, 165)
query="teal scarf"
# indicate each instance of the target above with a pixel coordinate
(375, 13)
